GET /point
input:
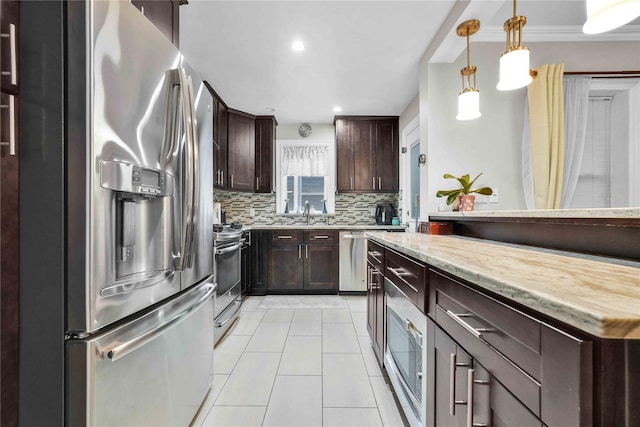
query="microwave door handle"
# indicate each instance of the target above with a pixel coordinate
(121, 350)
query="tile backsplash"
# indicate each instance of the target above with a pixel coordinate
(351, 209)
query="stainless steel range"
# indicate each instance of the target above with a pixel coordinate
(226, 269)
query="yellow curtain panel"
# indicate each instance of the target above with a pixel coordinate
(546, 117)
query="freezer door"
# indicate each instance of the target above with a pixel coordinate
(154, 370)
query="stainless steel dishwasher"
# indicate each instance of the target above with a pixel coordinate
(353, 261)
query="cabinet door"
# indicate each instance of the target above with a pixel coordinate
(265, 139)
(285, 267)
(451, 372)
(377, 280)
(259, 261)
(320, 267)
(371, 304)
(345, 157)
(220, 134)
(386, 155)
(360, 132)
(163, 14)
(245, 270)
(241, 152)
(9, 46)
(10, 260)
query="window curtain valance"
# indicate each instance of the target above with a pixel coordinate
(305, 160)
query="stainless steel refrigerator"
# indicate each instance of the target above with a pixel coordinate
(138, 291)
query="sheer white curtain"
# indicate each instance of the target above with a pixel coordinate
(576, 113)
(305, 160)
(576, 104)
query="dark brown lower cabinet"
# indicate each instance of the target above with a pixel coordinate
(375, 310)
(285, 267)
(466, 394)
(321, 267)
(259, 262)
(303, 261)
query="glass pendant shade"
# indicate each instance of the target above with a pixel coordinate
(606, 15)
(469, 105)
(514, 70)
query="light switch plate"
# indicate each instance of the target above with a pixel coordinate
(494, 197)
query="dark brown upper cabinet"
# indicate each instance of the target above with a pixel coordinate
(265, 141)
(9, 210)
(165, 15)
(241, 153)
(9, 46)
(367, 153)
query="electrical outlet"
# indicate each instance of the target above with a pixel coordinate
(494, 197)
(252, 212)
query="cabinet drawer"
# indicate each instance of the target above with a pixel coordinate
(548, 370)
(286, 237)
(512, 333)
(326, 237)
(375, 254)
(408, 275)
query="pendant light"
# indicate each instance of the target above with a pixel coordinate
(606, 15)
(469, 98)
(514, 62)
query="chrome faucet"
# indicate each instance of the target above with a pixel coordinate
(307, 211)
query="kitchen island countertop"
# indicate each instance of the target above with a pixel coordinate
(597, 295)
(325, 227)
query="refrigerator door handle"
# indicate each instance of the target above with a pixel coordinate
(121, 350)
(187, 204)
(196, 174)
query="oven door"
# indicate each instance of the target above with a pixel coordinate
(405, 354)
(227, 274)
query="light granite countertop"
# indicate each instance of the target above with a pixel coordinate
(597, 295)
(324, 227)
(618, 213)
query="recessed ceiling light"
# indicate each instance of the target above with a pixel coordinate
(337, 109)
(298, 46)
(270, 109)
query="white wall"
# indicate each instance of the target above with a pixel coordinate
(492, 143)
(323, 132)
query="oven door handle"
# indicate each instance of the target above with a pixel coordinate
(229, 249)
(220, 324)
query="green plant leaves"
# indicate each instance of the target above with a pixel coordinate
(452, 195)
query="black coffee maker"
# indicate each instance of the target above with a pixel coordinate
(385, 213)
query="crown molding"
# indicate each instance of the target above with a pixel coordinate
(533, 34)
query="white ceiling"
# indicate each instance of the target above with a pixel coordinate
(361, 55)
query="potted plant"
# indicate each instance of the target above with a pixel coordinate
(463, 194)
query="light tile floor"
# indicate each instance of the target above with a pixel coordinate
(298, 367)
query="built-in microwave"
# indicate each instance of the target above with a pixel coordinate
(405, 353)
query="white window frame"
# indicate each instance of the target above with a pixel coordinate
(329, 182)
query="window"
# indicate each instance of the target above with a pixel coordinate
(305, 171)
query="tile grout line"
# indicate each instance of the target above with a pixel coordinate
(264, 417)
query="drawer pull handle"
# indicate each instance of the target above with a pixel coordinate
(476, 332)
(285, 237)
(399, 273)
(375, 255)
(321, 237)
